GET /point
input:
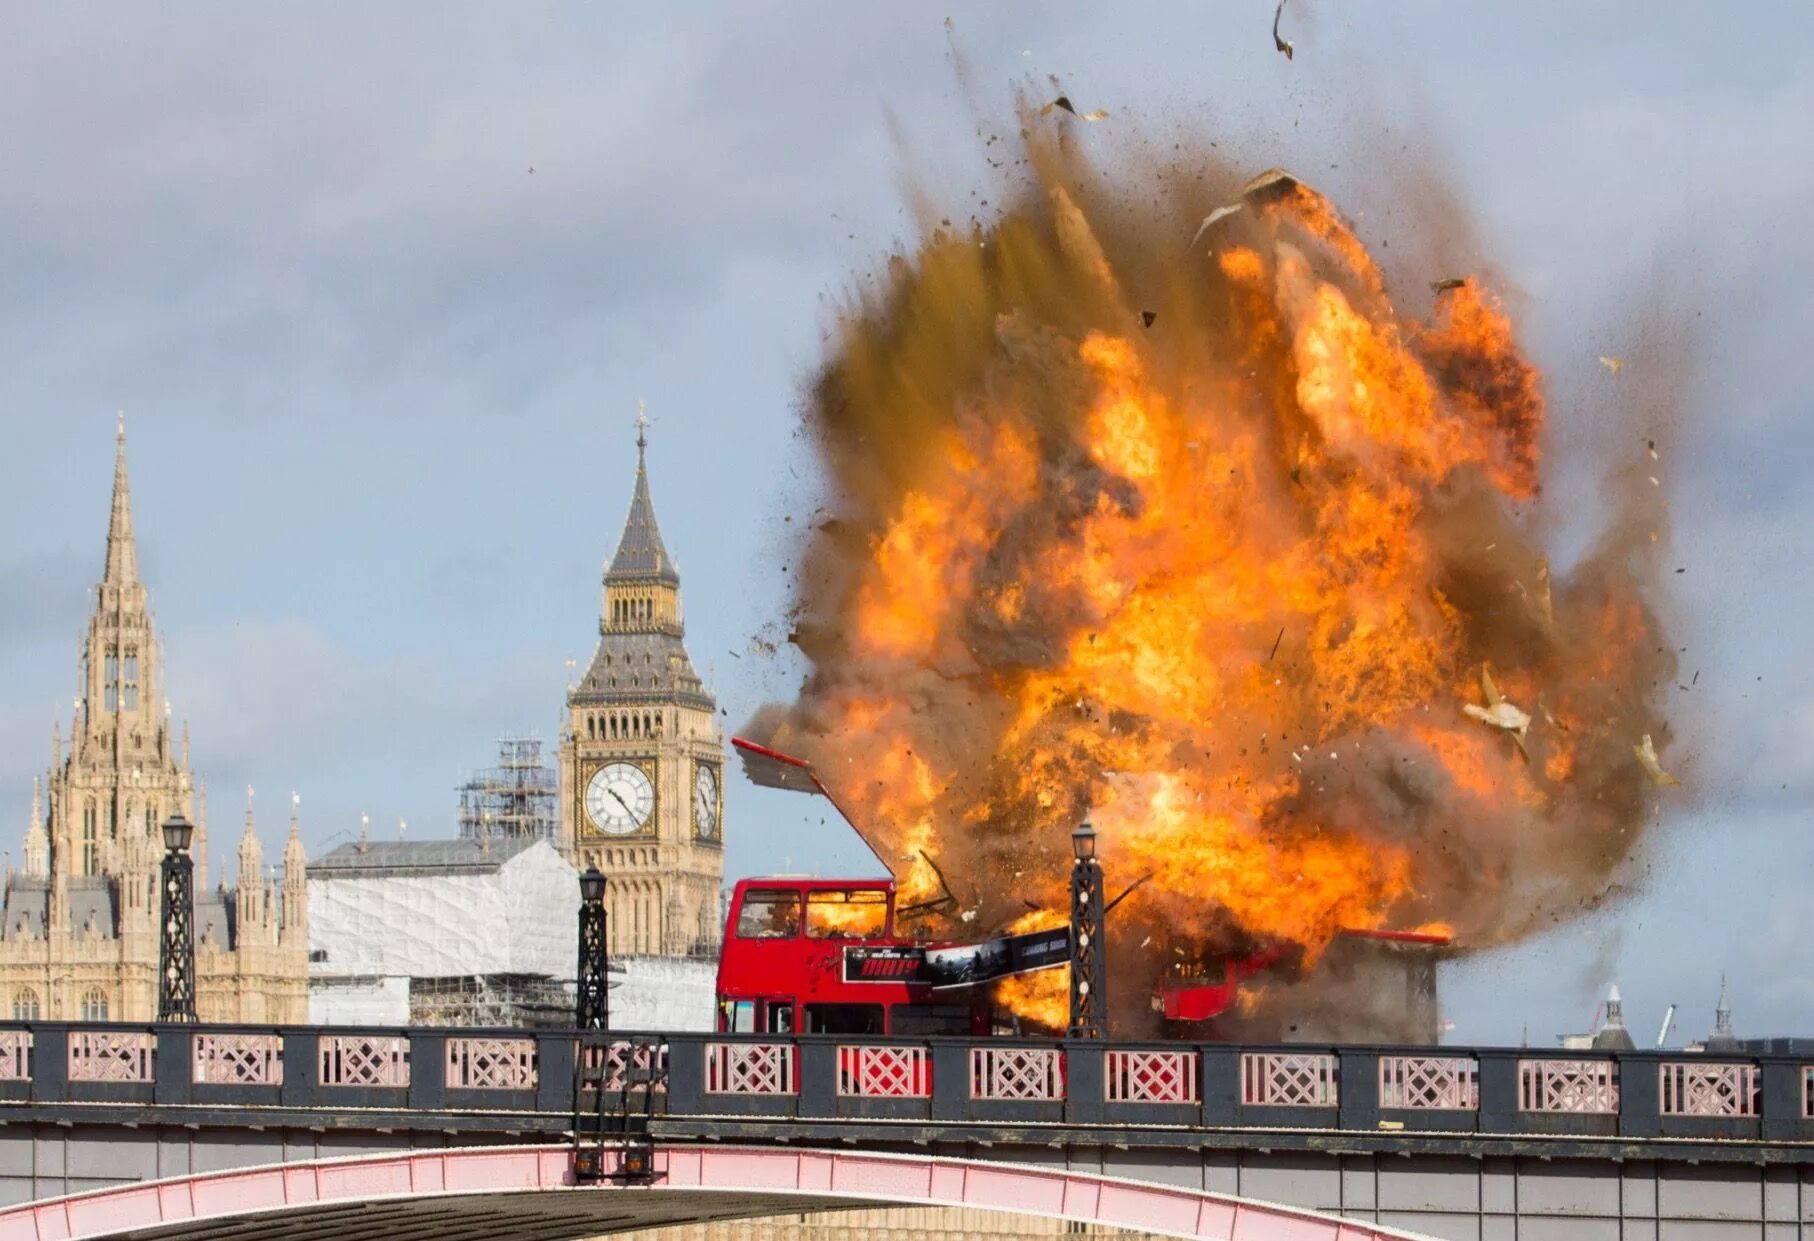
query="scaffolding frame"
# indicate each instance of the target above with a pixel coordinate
(525, 1001)
(519, 797)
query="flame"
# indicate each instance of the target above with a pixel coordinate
(1223, 583)
(1042, 997)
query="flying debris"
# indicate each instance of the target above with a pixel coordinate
(1278, 42)
(1064, 101)
(1647, 758)
(1498, 712)
(1615, 365)
(1439, 287)
(1545, 607)
(1210, 219)
(1273, 184)
(1147, 317)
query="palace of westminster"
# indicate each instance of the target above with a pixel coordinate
(640, 795)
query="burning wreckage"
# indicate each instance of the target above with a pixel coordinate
(1165, 513)
(841, 956)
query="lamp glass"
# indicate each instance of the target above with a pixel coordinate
(1083, 842)
(178, 831)
(592, 885)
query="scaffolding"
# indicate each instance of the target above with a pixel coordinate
(492, 1001)
(517, 799)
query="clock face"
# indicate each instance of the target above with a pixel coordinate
(705, 801)
(619, 798)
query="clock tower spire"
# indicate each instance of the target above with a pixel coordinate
(642, 758)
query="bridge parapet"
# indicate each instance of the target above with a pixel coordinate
(532, 1080)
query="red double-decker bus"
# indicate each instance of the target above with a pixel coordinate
(827, 956)
(822, 956)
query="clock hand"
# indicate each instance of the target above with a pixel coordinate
(620, 801)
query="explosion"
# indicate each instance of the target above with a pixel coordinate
(1215, 545)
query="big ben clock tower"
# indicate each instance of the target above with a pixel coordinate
(642, 758)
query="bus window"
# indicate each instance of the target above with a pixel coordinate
(843, 1019)
(737, 1016)
(858, 913)
(916, 1019)
(769, 913)
(778, 1016)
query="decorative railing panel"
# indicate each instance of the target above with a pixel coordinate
(355, 1060)
(1581, 1087)
(237, 1059)
(1704, 1089)
(608, 1066)
(1016, 1073)
(751, 1068)
(885, 1072)
(491, 1064)
(110, 1055)
(15, 1055)
(1151, 1077)
(1281, 1079)
(1429, 1083)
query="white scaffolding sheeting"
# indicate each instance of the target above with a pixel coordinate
(440, 909)
(663, 993)
(359, 1001)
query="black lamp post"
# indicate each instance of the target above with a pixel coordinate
(1089, 998)
(592, 1003)
(176, 918)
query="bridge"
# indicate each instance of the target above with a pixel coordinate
(185, 1131)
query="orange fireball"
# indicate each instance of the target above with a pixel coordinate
(1223, 581)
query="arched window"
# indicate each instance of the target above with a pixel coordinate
(94, 1005)
(25, 1004)
(90, 846)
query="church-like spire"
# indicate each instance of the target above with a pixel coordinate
(251, 868)
(641, 555)
(37, 841)
(122, 545)
(295, 902)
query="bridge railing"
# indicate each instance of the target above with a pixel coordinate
(811, 1078)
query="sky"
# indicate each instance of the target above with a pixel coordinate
(378, 290)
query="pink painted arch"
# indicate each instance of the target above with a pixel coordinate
(490, 1191)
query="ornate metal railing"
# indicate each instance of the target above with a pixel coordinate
(1287, 1079)
(492, 1064)
(885, 1072)
(1581, 1087)
(607, 1066)
(527, 1080)
(751, 1068)
(15, 1055)
(111, 1055)
(359, 1060)
(1016, 1073)
(1151, 1077)
(237, 1059)
(1429, 1083)
(1707, 1089)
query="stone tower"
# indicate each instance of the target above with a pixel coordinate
(79, 937)
(642, 757)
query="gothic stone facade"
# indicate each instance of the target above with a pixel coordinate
(642, 757)
(80, 936)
